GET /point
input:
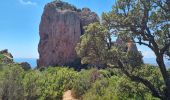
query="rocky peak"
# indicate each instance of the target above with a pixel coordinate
(60, 5)
(127, 44)
(87, 17)
(60, 30)
(86, 11)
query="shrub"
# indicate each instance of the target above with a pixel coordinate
(55, 81)
(10, 83)
(93, 84)
(31, 84)
(82, 83)
(117, 88)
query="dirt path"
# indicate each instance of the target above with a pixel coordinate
(68, 96)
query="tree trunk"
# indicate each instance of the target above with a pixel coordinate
(166, 77)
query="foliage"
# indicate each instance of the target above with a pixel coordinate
(92, 46)
(147, 23)
(149, 28)
(117, 88)
(31, 84)
(95, 49)
(92, 84)
(55, 81)
(11, 83)
(4, 59)
(84, 81)
(1, 56)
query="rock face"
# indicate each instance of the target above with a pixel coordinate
(87, 17)
(60, 30)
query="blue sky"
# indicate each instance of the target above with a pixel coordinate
(19, 24)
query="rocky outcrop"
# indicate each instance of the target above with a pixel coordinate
(87, 17)
(26, 66)
(6, 53)
(132, 46)
(6, 57)
(60, 30)
(126, 44)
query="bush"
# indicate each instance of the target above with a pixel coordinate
(31, 84)
(85, 80)
(117, 88)
(11, 83)
(55, 81)
(93, 84)
(17, 84)
(82, 83)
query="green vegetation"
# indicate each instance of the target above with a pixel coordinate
(118, 74)
(90, 84)
(145, 22)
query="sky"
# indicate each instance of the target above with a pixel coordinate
(19, 24)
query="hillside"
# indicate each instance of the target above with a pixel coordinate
(83, 56)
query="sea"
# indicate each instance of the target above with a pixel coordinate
(33, 61)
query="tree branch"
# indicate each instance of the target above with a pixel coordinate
(148, 84)
(165, 48)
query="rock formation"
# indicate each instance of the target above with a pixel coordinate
(6, 57)
(87, 17)
(127, 45)
(60, 30)
(132, 46)
(26, 66)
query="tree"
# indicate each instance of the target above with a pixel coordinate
(146, 22)
(93, 45)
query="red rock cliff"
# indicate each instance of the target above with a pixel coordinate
(60, 30)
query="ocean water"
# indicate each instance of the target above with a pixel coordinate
(152, 61)
(33, 61)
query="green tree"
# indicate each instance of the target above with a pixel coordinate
(92, 46)
(146, 22)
